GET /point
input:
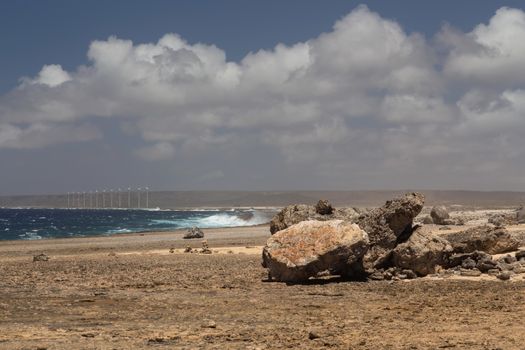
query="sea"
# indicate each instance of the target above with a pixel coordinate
(37, 223)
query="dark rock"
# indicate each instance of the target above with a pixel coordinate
(387, 226)
(422, 252)
(493, 272)
(324, 207)
(445, 228)
(313, 335)
(509, 259)
(487, 265)
(520, 254)
(439, 214)
(193, 232)
(457, 259)
(468, 263)
(489, 239)
(503, 266)
(40, 257)
(310, 247)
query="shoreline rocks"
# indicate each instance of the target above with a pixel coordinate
(310, 247)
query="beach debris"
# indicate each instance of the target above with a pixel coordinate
(323, 211)
(40, 257)
(310, 247)
(492, 240)
(323, 207)
(188, 249)
(205, 248)
(172, 250)
(386, 226)
(422, 252)
(194, 232)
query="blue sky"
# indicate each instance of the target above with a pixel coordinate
(71, 120)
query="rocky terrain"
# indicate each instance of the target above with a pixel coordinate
(142, 291)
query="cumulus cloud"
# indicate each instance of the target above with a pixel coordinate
(364, 94)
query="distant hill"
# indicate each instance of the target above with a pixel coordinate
(228, 199)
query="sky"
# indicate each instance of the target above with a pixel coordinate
(261, 95)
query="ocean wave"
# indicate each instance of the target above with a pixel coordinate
(230, 219)
(30, 236)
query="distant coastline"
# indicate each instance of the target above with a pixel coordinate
(206, 200)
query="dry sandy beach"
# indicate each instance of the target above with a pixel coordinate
(130, 292)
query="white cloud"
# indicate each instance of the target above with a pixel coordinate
(364, 95)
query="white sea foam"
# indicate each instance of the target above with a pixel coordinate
(30, 236)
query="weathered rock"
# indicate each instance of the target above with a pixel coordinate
(387, 226)
(520, 255)
(492, 240)
(422, 252)
(520, 215)
(509, 259)
(323, 207)
(439, 214)
(41, 257)
(310, 247)
(468, 264)
(504, 275)
(294, 214)
(478, 256)
(193, 232)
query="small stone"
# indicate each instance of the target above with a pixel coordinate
(445, 228)
(209, 324)
(188, 249)
(40, 257)
(503, 266)
(509, 259)
(324, 207)
(504, 275)
(313, 335)
(172, 250)
(493, 272)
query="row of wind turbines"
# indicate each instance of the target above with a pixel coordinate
(109, 199)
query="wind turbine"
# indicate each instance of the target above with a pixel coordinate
(111, 198)
(138, 198)
(96, 199)
(119, 198)
(84, 199)
(147, 197)
(103, 198)
(129, 197)
(68, 200)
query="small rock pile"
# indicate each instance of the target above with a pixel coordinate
(382, 243)
(40, 257)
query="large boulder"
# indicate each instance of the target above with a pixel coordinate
(440, 215)
(296, 213)
(422, 252)
(387, 226)
(309, 247)
(489, 239)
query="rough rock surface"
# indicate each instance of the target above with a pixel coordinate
(323, 207)
(427, 220)
(493, 240)
(194, 232)
(440, 215)
(41, 257)
(422, 252)
(388, 225)
(293, 214)
(309, 247)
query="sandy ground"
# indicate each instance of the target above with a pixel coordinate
(130, 292)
